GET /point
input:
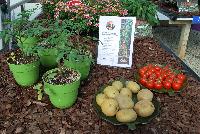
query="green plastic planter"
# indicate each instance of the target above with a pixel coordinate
(82, 67)
(61, 96)
(25, 74)
(48, 57)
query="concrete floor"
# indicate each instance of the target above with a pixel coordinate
(170, 36)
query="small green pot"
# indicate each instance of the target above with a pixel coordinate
(61, 96)
(25, 74)
(48, 57)
(82, 67)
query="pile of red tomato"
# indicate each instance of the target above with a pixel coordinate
(159, 77)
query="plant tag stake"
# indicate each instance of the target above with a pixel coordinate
(116, 36)
(187, 5)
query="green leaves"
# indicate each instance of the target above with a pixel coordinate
(20, 29)
(142, 9)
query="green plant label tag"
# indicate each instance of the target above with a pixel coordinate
(188, 6)
(116, 36)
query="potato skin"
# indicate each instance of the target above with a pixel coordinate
(144, 108)
(111, 91)
(117, 84)
(109, 107)
(124, 102)
(126, 115)
(133, 86)
(145, 94)
(100, 98)
(126, 91)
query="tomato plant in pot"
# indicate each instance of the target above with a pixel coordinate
(78, 56)
(48, 31)
(24, 62)
(61, 84)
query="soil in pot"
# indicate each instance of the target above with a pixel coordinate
(25, 69)
(62, 86)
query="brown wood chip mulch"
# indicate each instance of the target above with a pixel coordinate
(20, 112)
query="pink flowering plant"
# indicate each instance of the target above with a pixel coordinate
(87, 12)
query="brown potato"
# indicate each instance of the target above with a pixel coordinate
(126, 91)
(125, 102)
(109, 107)
(100, 98)
(133, 86)
(126, 115)
(111, 91)
(117, 84)
(145, 94)
(144, 108)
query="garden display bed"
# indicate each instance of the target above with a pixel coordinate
(172, 12)
(21, 112)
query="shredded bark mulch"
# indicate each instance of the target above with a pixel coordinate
(20, 111)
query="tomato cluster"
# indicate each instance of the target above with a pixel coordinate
(157, 77)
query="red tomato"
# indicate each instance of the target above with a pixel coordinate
(145, 76)
(158, 73)
(149, 66)
(166, 67)
(152, 77)
(167, 85)
(172, 75)
(165, 75)
(158, 85)
(145, 68)
(149, 84)
(141, 72)
(160, 78)
(157, 68)
(149, 73)
(168, 79)
(177, 80)
(152, 69)
(181, 76)
(143, 81)
(176, 86)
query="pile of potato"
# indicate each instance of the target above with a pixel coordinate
(116, 100)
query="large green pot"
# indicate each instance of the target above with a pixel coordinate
(25, 74)
(61, 96)
(48, 57)
(82, 67)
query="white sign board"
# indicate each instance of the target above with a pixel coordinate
(116, 35)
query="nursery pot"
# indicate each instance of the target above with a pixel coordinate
(61, 96)
(25, 74)
(48, 57)
(82, 67)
